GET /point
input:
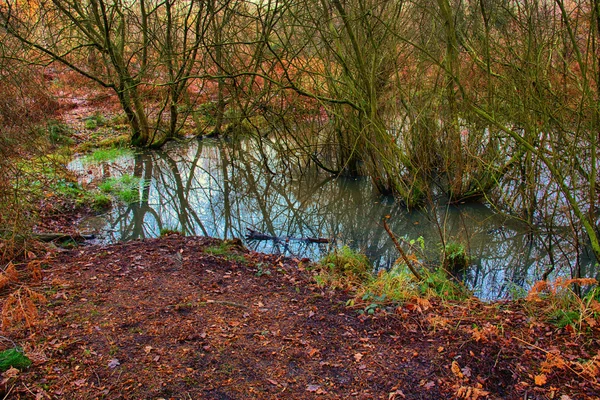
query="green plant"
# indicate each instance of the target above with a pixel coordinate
(438, 283)
(59, 133)
(344, 267)
(228, 250)
(90, 123)
(395, 285)
(13, 358)
(126, 187)
(261, 270)
(207, 111)
(100, 202)
(563, 306)
(94, 121)
(376, 303)
(107, 154)
(455, 258)
(120, 141)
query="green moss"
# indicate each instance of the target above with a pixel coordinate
(344, 268)
(13, 358)
(120, 141)
(91, 123)
(100, 202)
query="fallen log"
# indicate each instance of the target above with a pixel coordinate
(255, 235)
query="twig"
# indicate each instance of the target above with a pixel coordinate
(402, 253)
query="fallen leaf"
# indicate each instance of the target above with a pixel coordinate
(396, 394)
(470, 393)
(429, 385)
(456, 370)
(9, 374)
(114, 363)
(540, 380)
(466, 371)
(313, 388)
(148, 349)
(358, 357)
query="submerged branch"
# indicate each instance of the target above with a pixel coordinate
(408, 263)
(255, 235)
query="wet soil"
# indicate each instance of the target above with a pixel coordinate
(195, 318)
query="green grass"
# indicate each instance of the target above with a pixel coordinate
(344, 268)
(100, 201)
(125, 188)
(107, 154)
(228, 250)
(561, 304)
(94, 121)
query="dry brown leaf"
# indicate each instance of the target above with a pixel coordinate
(456, 370)
(396, 394)
(8, 375)
(471, 393)
(540, 380)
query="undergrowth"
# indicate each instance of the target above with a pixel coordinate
(344, 268)
(347, 269)
(562, 306)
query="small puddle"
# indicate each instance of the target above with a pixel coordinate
(220, 189)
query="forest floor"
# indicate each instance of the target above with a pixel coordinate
(197, 318)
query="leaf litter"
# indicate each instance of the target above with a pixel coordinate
(130, 321)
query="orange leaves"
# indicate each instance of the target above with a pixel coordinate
(8, 276)
(456, 370)
(540, 380)
(20, 307)
(464, 389)
(484, 334)
(558, 286)
(471, 392)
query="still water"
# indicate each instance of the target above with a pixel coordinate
(221, 189)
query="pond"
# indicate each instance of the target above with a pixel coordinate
(222, 189)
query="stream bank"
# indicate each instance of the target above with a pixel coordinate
(193, 317)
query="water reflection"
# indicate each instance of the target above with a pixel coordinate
(220, 189)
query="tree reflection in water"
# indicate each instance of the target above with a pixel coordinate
(218, 188)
